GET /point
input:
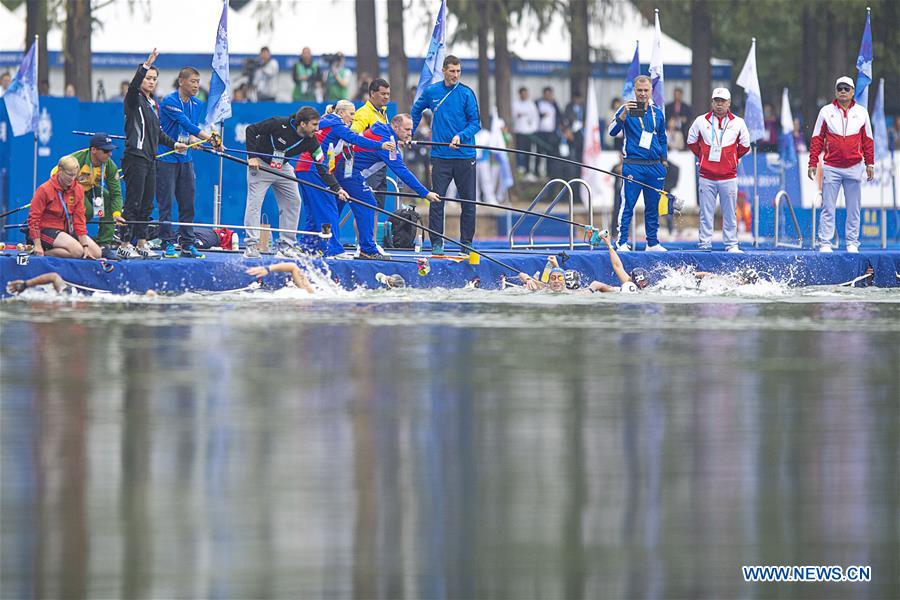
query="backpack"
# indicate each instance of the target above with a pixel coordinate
(403, 234)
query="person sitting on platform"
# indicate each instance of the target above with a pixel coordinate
(298, 278)
(99, 177)
(366, 163)
(56, 217)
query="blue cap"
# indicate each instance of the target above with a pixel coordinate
(102, 141)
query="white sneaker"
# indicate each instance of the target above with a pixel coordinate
(623, 248)
(825, 248)
(146, 252)
(288, 252)
(853, 248)
(734, 250)
(251, 251)
(656, 248)
(126, 252)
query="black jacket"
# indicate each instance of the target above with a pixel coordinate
(280, 133)
(142, 131)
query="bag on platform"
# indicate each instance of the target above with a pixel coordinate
(403, 234)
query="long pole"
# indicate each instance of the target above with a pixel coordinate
(755, 200)
(37, 65)
(218, 199)
(374, 207)
(557, 158)
(881, 179)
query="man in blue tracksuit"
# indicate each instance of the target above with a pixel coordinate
(367, 162)
(645, 153)
(455, 121)
(179, 116)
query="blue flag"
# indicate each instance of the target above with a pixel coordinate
(218, 107)
(634, 69)
(22, 103)
(753, 112)
(864, 65)
(434, 58)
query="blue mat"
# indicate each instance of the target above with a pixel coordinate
(225, 271)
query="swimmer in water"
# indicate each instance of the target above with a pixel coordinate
(18, 286)
(298, 278)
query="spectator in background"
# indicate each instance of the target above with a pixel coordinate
(773, 128)
(614, 142)
(44, 88)
(681, 111)
(5, 80)
(362, 89)
(70, 91)
(799, 142)
(337, 79)
(306, 73)
(123, 89)
(239, 95)
(894, 135)
(673, 132)
(548, 131)
(573, 131)
(525, 121)
(265, 79)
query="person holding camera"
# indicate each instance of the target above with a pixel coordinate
(306, 74)
(337, 79)
(265, 77)
(645, 155)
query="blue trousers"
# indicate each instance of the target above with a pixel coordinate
(318, 208)
(176, 181)
(654, 175)
(462, 172)
(364, 216)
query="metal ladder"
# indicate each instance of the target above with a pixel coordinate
(565, 189)
(783, 195)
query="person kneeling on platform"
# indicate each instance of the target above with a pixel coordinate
(297, 276)
(367, 162)
(99, 176)
(56, 217)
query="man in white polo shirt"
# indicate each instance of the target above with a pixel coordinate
(719, 139)
(844, 131)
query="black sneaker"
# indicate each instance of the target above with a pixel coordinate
(109, 253)
(367, 256)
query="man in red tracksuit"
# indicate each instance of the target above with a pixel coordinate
(719, 139)
(844, 131)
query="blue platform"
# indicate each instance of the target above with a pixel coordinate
(225, 271)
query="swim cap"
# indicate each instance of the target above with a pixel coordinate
(573, 279)
(640, 277)
(747, 275)
(628, 288)
(557, 270)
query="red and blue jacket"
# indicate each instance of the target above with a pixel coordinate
(334, 135)
(367, 162)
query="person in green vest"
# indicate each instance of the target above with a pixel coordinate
(99, 176)
(306, 74)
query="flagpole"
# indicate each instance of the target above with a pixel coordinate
(217, 208)
(755, 199)
(34, 134)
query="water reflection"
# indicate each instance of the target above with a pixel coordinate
(232, 458)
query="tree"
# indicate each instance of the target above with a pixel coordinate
(484, 68)
(397, 63)
(366, 41)
(77, 50)
(580, 65)
(502, 62)
(37, 23)
(701, 57)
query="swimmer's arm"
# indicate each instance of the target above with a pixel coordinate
(598, 286)
(297, 276)
(616, 262)
(531, 283)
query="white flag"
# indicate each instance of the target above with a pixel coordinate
(753, 112)
(591, 149)
(656, 69)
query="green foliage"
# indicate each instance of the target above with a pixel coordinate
(778, 28)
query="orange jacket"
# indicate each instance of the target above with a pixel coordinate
(47, 209)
